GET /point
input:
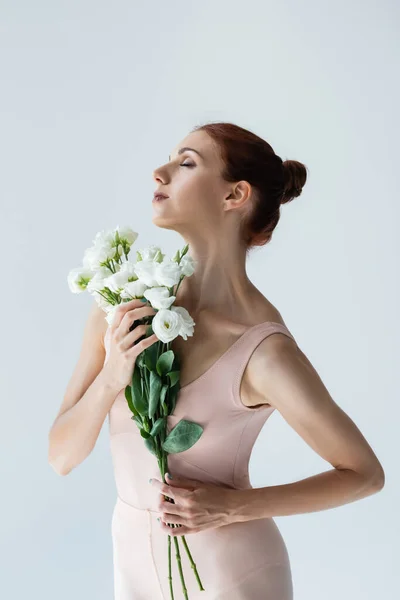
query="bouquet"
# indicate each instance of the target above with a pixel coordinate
(109, 275)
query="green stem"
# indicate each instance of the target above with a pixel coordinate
(192, 563)
(178, 558)
(171, 588)
(163, 459)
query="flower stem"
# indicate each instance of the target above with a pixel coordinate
(192, 563)
(171, 588)
(178, 558)
(163, 460)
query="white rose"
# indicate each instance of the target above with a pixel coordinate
(187, 265)
(166, 325)
(128, 267)
(151, 253)
(187, 323)
(97, 254)
(116, 281)
(79, 278)
(159, 297)
(168, 273)
(146, 270)
(134, 289)
(99, 281)
(104, 237)
(127, 234)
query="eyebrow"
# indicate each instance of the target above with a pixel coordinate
(181, 150)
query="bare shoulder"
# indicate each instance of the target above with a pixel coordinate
(276, 348)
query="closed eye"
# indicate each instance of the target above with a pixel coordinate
(187, 165)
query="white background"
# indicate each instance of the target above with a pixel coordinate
(94, 96)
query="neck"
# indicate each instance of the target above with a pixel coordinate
(219, 283)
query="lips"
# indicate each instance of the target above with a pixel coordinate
(159, 196)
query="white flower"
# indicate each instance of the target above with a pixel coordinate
(116, 281)
(187, 323)
(111, 313)
(146, 271)
(167, 273)
(166, 324)
(134, 289)
(128, 267)
(79, 278)
(126, 234)
(151, 253)
(99, 280)
(102, 302)
(104, 237)
(187, 265)
(125, 273)
(98, 253)
(159, 297)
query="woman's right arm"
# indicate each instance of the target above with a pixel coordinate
(88, 398)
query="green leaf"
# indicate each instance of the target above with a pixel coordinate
(164, 363)
(138, 395)
(150, 445)
(151, 355)
(158, 426)
(163, 393)
(173, 395)
(154, 397)
(138, 421)
(174, 377)
(128, 396)
(140, 360)
(182, 437)
(144, 433)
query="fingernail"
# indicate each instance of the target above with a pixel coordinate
(149, 480)
(169, 476)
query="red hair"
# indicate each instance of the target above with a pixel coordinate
(248, 157)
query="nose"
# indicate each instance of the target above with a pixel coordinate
(160, 175)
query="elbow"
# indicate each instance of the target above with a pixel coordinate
(57, 461)
(56, 457)
(59, 466)
(378, 481)
(63, 464)
(375, 480)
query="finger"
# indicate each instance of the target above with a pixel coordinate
(132, 338)
(121, 310)
(128, 321)
(163, 488)
(172, 519)
(174, 531)
(143, 344)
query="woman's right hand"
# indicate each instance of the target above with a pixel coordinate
(122, 348)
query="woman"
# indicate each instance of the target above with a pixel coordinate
(224, 186)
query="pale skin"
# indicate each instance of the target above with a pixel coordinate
(205, 209)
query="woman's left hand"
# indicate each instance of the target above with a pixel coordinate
(197, 505)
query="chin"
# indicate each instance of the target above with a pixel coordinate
(163, 222)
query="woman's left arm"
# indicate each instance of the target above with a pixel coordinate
(282, 374)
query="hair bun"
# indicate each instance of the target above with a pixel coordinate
(295, 176)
